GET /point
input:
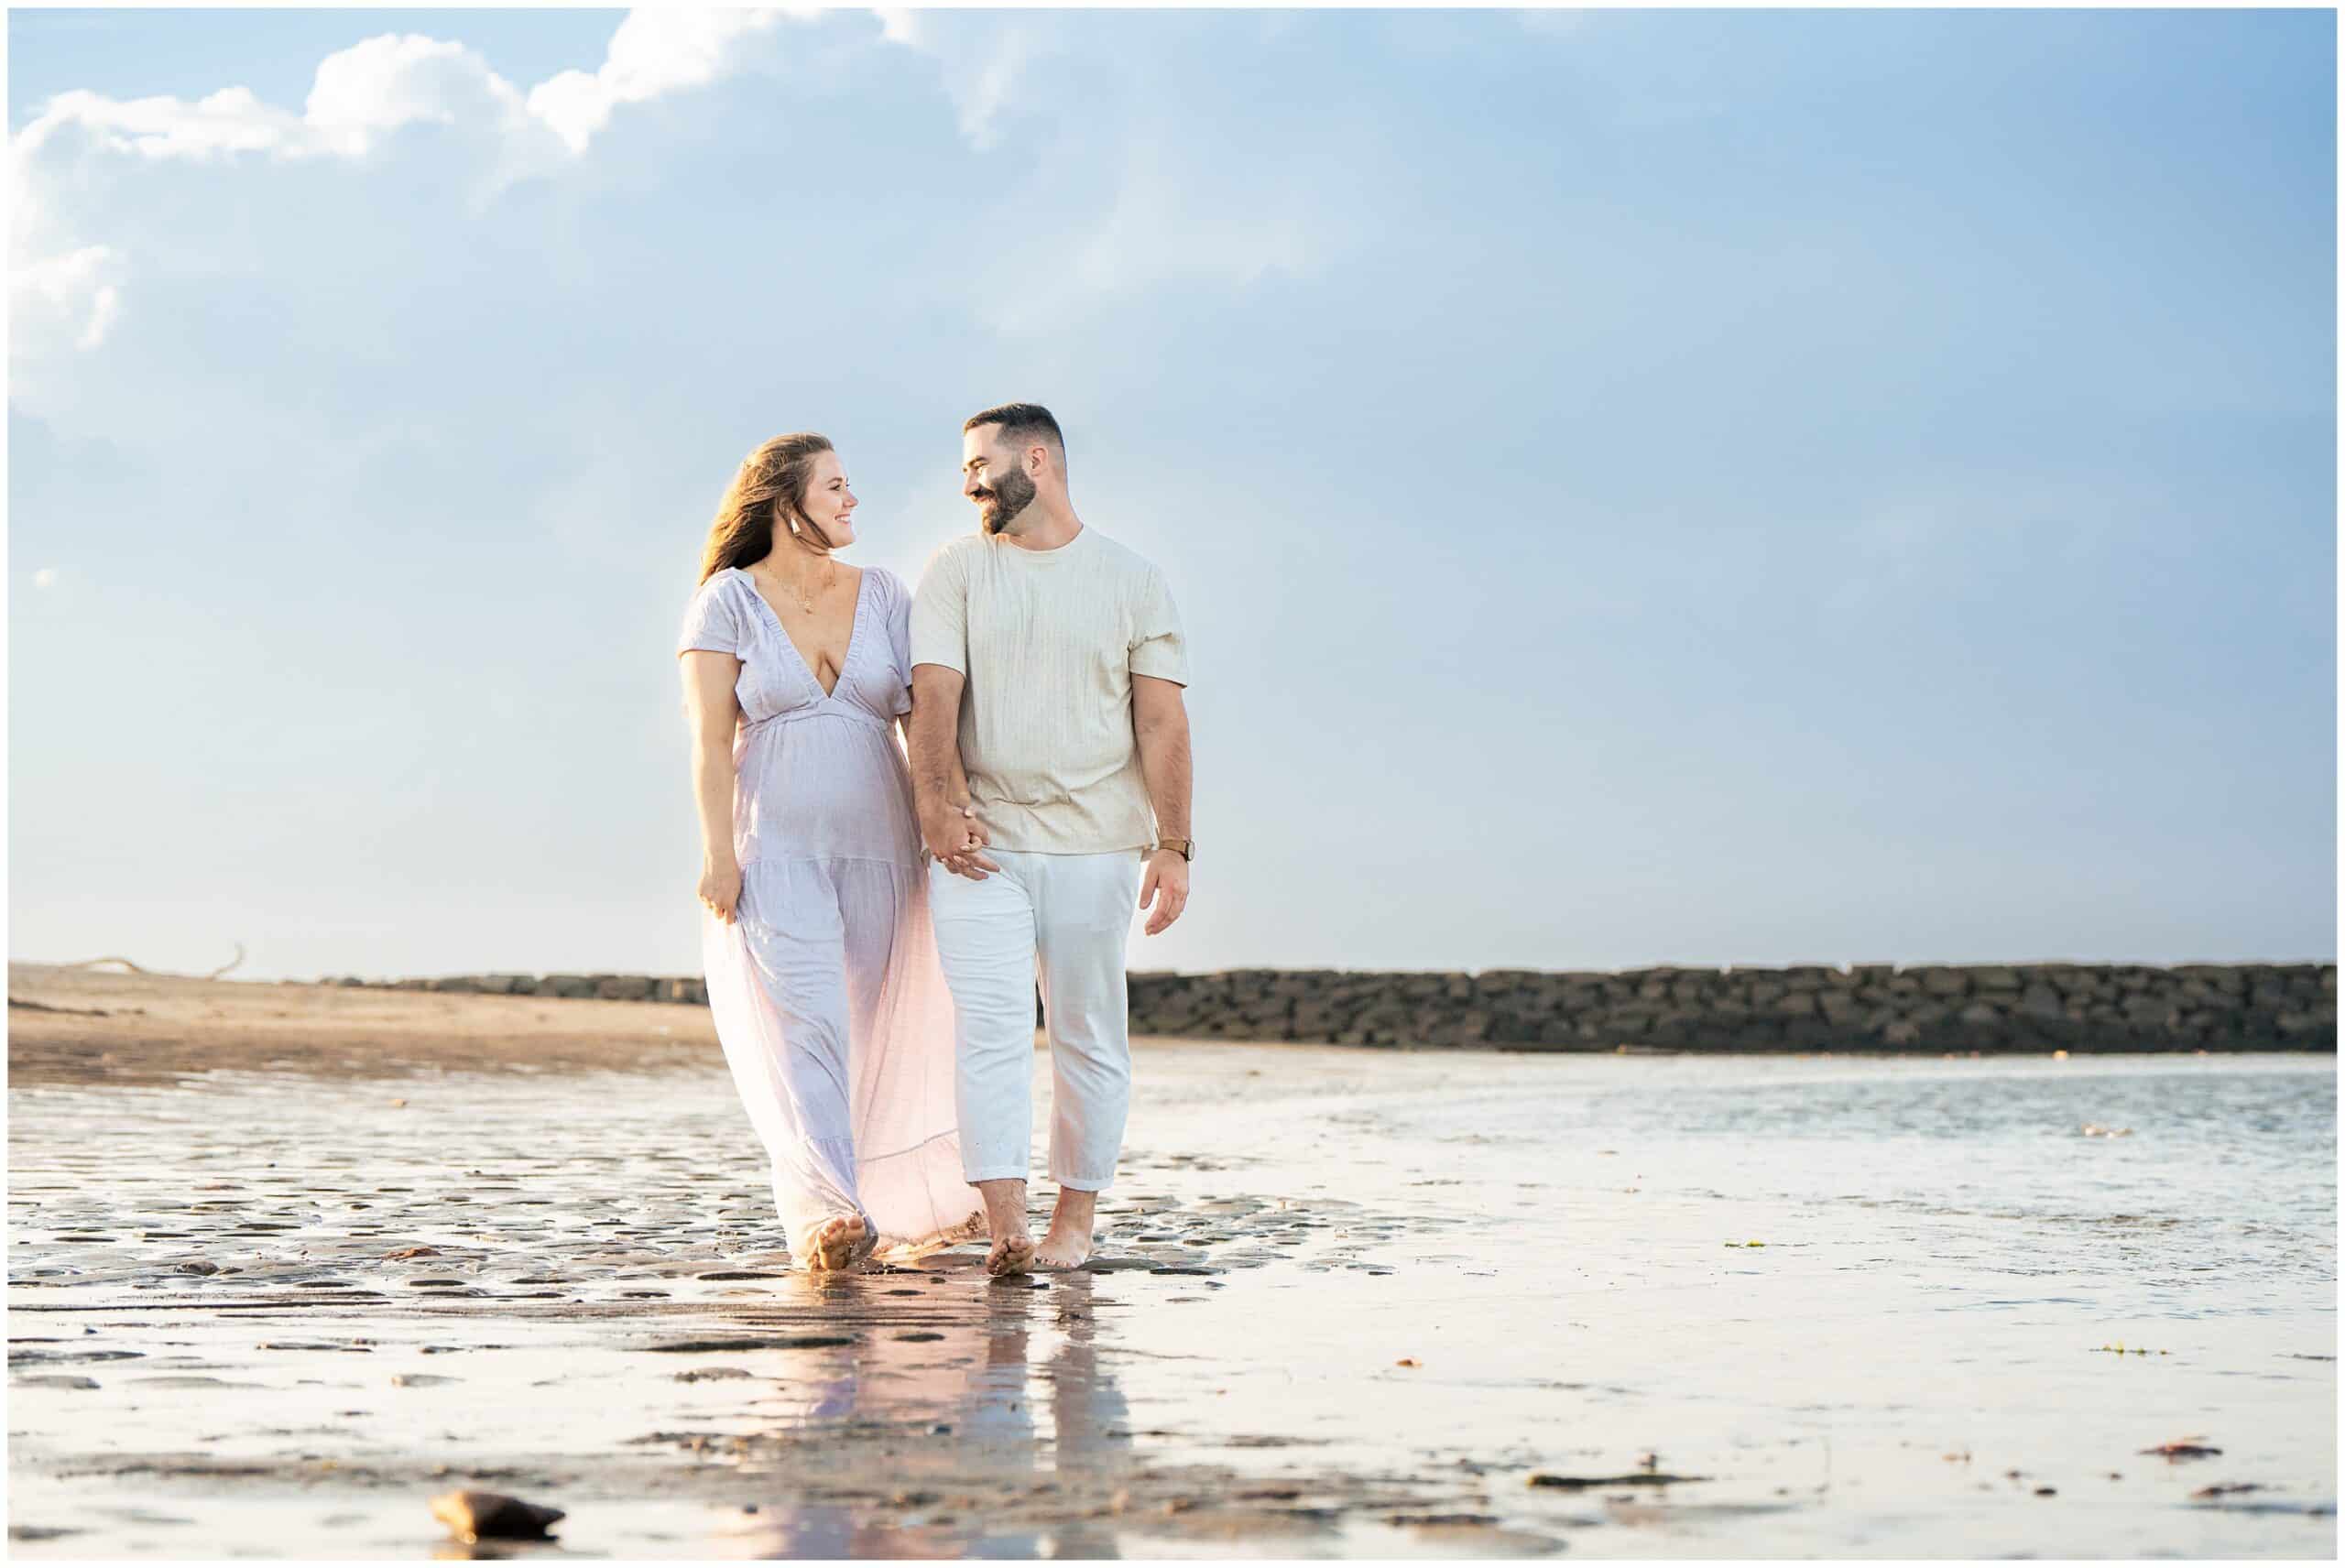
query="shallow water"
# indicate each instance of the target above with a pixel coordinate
(1559, 1245)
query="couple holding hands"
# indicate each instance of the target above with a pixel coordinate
(874, 932)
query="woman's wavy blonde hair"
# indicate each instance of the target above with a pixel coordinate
(771, 483)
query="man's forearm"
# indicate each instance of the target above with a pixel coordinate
(936, 755)
(1164, 767)
(935, 758)
(956, 783)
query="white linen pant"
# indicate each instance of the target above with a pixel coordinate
(1068, 919)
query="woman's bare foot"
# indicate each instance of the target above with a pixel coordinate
(837, 1244)
(1012, 1253)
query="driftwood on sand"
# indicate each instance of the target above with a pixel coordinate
(130, 968)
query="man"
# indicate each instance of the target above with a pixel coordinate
(1047, 671)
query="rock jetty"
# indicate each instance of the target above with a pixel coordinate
(1867, 1006)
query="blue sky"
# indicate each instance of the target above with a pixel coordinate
(1678, 486)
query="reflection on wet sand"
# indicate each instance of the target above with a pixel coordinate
(1019, 1426)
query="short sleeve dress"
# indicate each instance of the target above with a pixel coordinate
(826, 992)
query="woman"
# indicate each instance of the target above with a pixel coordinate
(821, 969)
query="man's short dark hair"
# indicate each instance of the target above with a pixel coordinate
(1022, 424)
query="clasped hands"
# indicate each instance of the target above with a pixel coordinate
(958, 840)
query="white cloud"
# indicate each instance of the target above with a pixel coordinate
(653, 53)
(232, 120)
(1132, 165)
(359, 95)
(371, 89)
(46, 578)
(362, 93)
(70, 295)
(66, 290)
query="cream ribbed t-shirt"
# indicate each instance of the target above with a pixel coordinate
(1047, 642)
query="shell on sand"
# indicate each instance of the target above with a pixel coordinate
(472, 1515)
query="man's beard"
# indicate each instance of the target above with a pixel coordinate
(1004, 499)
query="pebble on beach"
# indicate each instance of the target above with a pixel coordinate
(1582, 1482)
(471, 1516)
(2184, 1448)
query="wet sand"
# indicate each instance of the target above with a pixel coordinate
(297, 1259)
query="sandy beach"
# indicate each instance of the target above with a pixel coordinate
(86, 1026)
(287, 1261)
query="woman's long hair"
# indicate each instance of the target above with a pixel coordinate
(773, 480)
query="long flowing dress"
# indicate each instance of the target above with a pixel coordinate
(826, 992)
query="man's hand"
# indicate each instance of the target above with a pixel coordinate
(957, 839)
(1166, 884)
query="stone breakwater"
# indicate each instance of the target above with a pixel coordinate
(1920, 1007)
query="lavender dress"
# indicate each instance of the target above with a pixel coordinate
(827, 993)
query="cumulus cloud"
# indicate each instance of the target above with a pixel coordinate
(71, 294)
(653, 53)
(899, 26)
(229, 121)
(363, 94)
(67, 287)
(1132, 163)
(368, 91)
(359, 95)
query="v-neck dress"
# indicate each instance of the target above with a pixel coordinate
(826, 992)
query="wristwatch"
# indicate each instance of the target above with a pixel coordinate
(1185, 847)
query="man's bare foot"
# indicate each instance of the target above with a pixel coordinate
(1013, 1249)
(1012, 1254)
(1068, 1243)
(837, 1244)
(1063, 1248)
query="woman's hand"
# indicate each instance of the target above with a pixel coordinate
(720, 890)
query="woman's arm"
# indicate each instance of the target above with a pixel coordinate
(713, 713)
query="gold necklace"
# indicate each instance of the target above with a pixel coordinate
(798, 588)
(806, 600)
